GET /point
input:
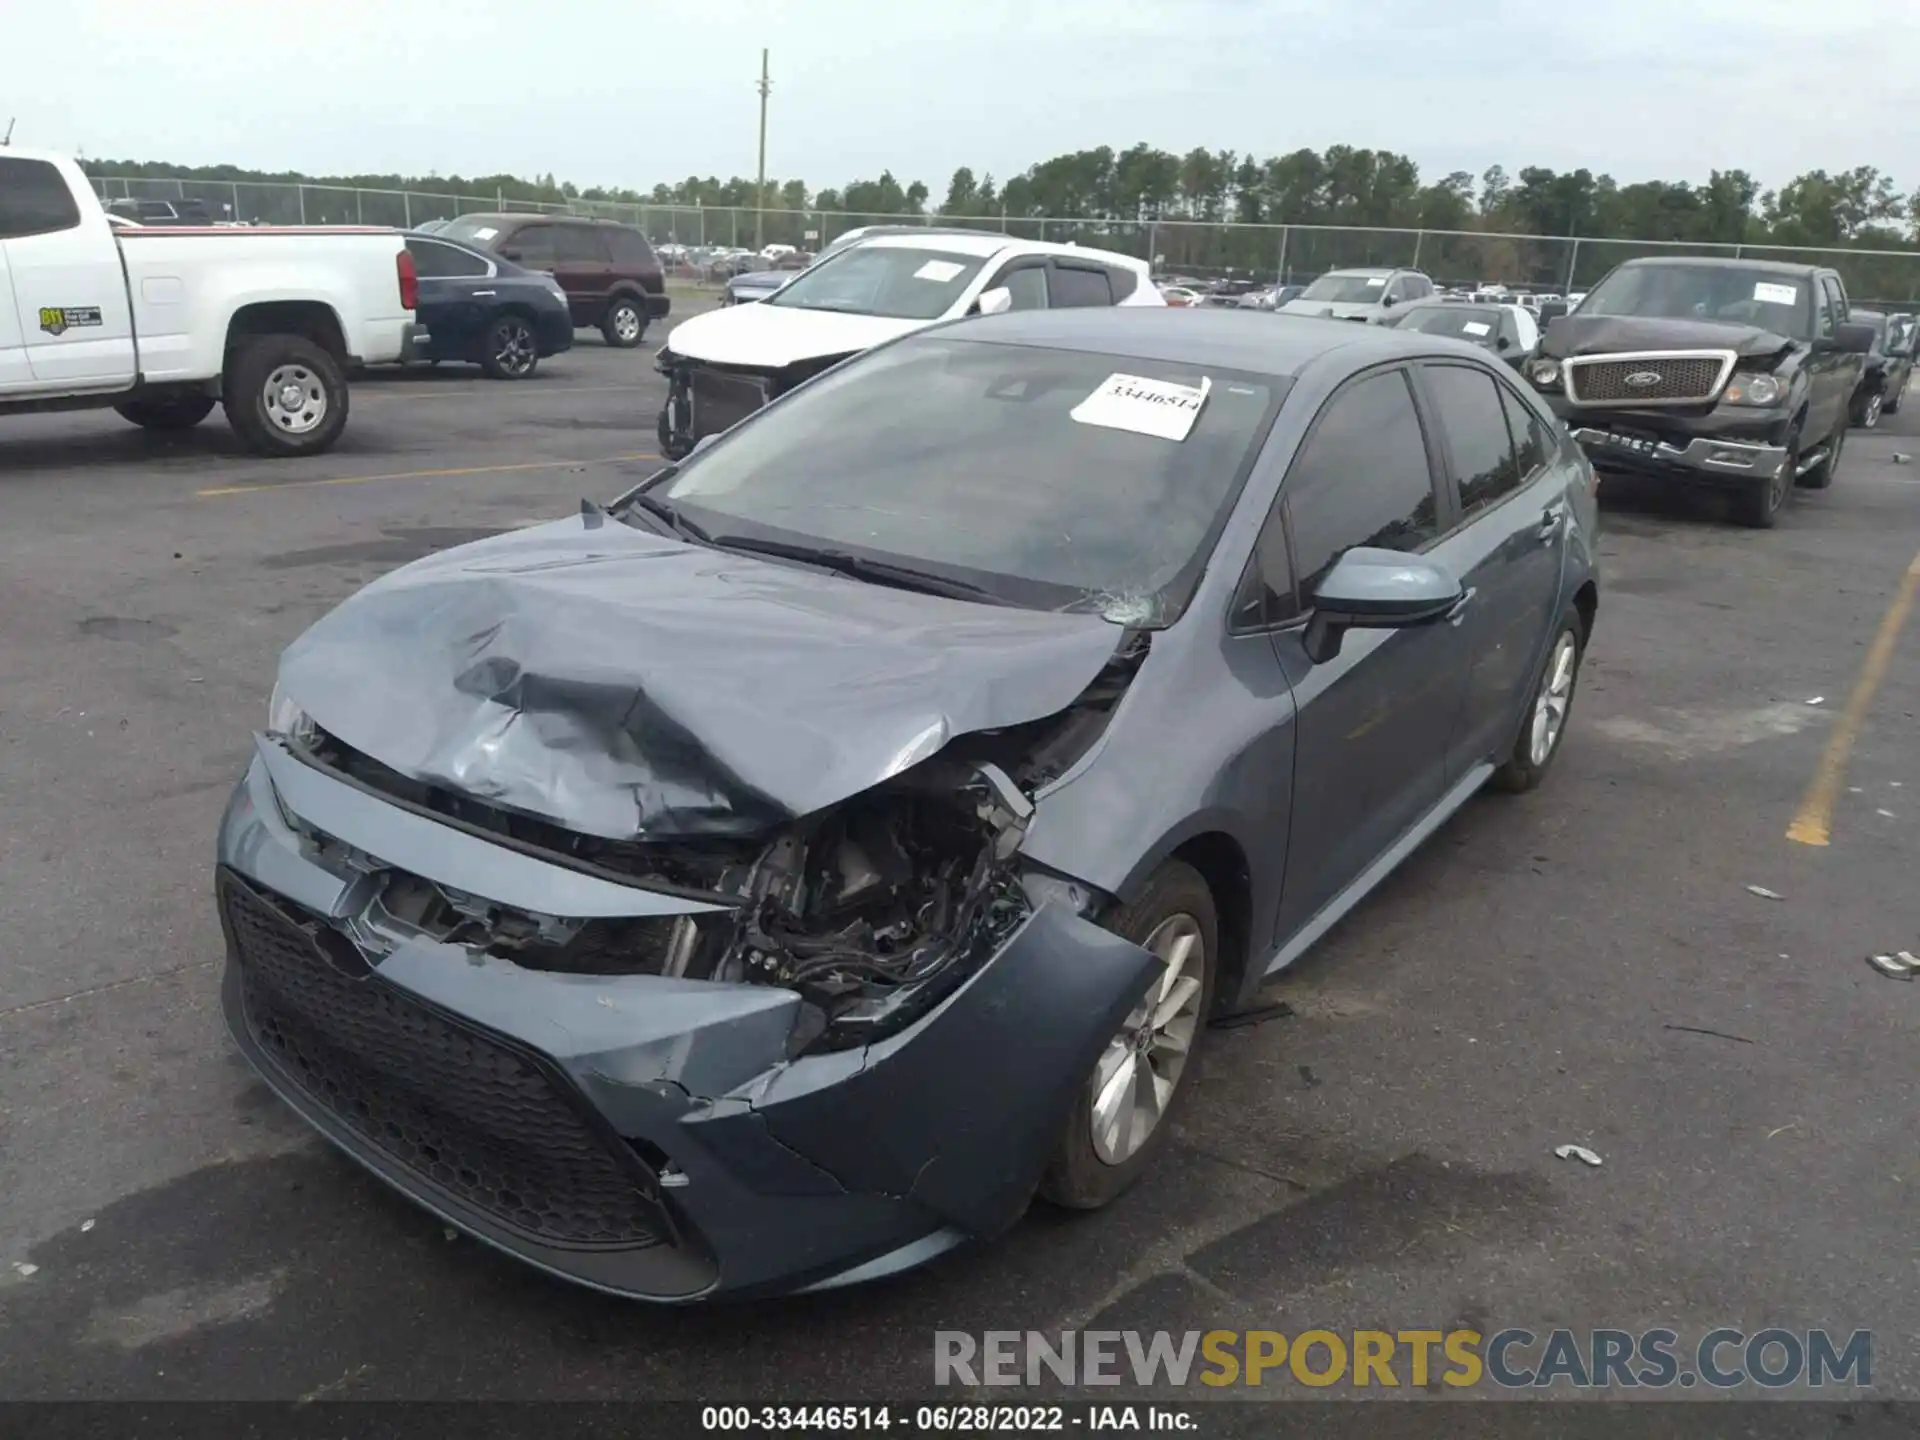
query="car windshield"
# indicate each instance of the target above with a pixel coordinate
(898, 281)
(1347, 289)
(1465, 322)
(1032, 474)
(1768, 299)
(474, 229)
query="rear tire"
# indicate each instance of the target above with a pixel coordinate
(626, 323)
(284, 395)
(1176, 906)
(172, 412)
(510, 350)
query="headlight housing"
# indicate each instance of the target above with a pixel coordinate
(1545, 374)
(1757, 390)
(287, 721)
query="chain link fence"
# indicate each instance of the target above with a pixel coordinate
(1288, 254)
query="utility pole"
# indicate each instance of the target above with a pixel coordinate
(760, 193)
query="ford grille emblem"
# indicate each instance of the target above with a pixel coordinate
(1643, 379)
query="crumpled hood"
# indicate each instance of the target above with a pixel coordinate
(1329, 310)
(630, 686)
(774, 336)
(761, 280)
(1609, 334)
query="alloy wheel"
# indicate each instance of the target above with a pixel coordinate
(1551, 704)
(1138, 1072)
(514, 352)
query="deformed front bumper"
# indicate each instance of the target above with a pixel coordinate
(647, 1136)
(1700, 458)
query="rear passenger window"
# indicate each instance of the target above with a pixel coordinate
(531, 245)
(1533, 443)
(1124, 282)
(34, 199)
(434, 261)
(1476, 428)
(630, 248)
(1362, 479)
(1072, 286)
(581, 244)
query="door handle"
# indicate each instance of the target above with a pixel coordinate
(1550, 523)
(478, 293)
(1459, 610)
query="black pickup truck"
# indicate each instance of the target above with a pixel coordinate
(1736, 374)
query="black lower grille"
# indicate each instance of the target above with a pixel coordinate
(1665, 378)
(455, 1105)
(721, 400)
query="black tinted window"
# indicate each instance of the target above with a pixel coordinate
(1080, 287)
(1265, 596)
(1124, 282)
(531, 245)
(580, 243)
(1476, 426)
(34, 200)
(630, 248)
(1362, 478)
(1533, 443)
(435, 261)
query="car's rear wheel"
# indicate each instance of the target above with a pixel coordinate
(626, 323)
(284, 395)
(1545, 725)
(171, 412)
(1122, 1115)
(509, 351)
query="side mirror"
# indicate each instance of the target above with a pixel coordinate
(702, 443)
(1503, 343)
(1372, 589)
(1854, 339)
(1387, 302)
(513, 255)
(1552, 311)
(996, 301)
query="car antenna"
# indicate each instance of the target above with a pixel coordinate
(7, 139)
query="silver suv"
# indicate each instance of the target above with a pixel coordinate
(1367, 295)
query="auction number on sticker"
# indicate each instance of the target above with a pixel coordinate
(759, 1418)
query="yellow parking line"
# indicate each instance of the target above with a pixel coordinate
(421, 474)
(1814, 822)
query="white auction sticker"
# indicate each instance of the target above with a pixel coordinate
(1776, 294)
(485, 232)
(941, 270)
(1475, 327)
(1374, 281)
(1146, 407)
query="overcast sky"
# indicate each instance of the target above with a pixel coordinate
(634, 92)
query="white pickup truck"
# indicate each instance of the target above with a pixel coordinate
(162, 324)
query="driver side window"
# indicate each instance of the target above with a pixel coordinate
(1027, 284)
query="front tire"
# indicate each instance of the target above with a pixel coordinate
(1821, 475)
(626, 323)
(1549, 709)
(1867, 410)
(1123, 1113)
(1757, 505)
(509, 351)
(284, 396)
(172, 412)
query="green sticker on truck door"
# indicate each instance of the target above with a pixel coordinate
(58, 319)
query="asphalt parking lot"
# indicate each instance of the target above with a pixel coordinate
(1584, 964)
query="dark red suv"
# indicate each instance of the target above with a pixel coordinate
(609, 271)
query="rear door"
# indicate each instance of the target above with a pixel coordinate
(1832, 374)
(1506, 545)
(69, 291)
(1072, 284)
(15, 373)
(456, 295)
(584, 268)
(1375, 723)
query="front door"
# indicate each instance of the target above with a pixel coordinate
(1507, 546)
(1374, 724)
(70, 308)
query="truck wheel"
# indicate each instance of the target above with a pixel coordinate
(509, 351)
(671, 447)
(1757, 506)
(171, 412)
(284, 395)
(626, 323)
(1122, 1114)
(1821, 475)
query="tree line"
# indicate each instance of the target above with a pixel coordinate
(1186, 207)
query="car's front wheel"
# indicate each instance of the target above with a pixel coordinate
(509, 351)
(1545, 724)
(1867, 408)
(1121, 1116)
(626, 323)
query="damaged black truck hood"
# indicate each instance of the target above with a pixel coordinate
(1616, 334)
(629, 686)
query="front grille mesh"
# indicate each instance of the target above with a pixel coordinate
(450, 1103)
(1679, 378)
(721, 400)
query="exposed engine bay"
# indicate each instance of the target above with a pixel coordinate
(872, 909)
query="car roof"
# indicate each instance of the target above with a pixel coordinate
(1366, 270)
(1722, 262)
(1232, 339)
(525, 217)
(987, 244)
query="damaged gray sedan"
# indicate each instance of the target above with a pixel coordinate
(781, 875)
